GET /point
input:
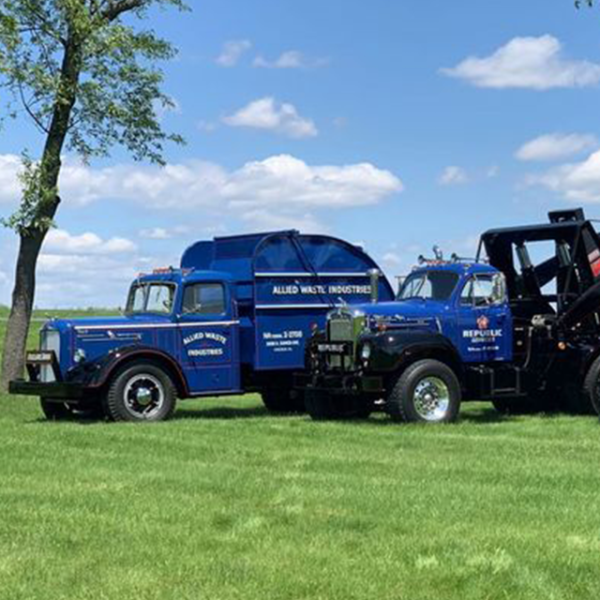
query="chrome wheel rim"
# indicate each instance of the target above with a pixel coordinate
(144, 396)
(431, 399)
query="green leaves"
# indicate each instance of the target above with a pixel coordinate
(87, 81)
(35, 194)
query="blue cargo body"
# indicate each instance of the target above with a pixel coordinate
(233, 317)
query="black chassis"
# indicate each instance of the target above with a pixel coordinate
(391, 350)
(556, 363)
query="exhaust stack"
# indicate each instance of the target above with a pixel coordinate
(374, 275)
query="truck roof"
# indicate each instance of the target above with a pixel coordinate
(185, 275)
(461, 268)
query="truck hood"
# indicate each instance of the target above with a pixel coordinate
(406, 309)
(104, 322)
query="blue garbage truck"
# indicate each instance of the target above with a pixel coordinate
(233, 318)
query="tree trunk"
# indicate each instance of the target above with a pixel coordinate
(17, 328)
(32, 236)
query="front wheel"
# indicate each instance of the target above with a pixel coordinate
(428, 391)
(140, 392)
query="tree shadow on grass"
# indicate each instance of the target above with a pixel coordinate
(224, 413)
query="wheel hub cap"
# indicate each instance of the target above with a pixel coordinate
(431, 399)
(144, 395)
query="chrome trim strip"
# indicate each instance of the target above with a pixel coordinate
(156, 325)
(290, 306)
(305, 274)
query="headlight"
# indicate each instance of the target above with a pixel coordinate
(365, 352)
(79, 355)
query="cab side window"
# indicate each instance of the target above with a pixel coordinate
(481, 290)
(204, 299)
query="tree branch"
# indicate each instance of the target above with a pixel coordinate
(115, 9)
(30, 112)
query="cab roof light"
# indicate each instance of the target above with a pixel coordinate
(163, 271)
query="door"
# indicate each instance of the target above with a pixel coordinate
(209, 338)
(484, 320)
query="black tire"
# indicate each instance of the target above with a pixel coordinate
(140, 392)
(322, 406)
(437, 400)
(283, 400)
(591, 387)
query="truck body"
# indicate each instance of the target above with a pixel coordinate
(234, 317)
(521, 329)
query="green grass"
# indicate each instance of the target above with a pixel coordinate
(227, 502)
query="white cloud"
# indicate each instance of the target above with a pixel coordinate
(527, 62)
(269, 183)
(291, 59)
(392, 259)
(453, 175)
(162, 233)
(59, 241)
(10, 167)
(268, 114)
(278, 192)
(207, 126)
(155, 233)
(555, 146)
(232, 51)
(577, 181)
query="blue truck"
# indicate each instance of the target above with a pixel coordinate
(520, 328)
(233, 318)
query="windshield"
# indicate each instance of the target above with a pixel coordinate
(151, 298)
(429, 285)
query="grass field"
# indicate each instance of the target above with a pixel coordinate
(227, 502)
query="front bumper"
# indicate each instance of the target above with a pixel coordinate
(59, 390)
(341, 383)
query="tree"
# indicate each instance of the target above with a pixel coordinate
(88, 81)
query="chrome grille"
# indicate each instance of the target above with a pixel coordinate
(340, 327)
(49, 340)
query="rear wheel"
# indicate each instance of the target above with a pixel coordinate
(140, 392)
(283, 400)
(322, 406)
(577, 401)
(591, 386)
(428, 391)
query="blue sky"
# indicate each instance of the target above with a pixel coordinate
(394, 124)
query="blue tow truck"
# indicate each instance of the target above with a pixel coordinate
(520, 329)
(233, 318)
